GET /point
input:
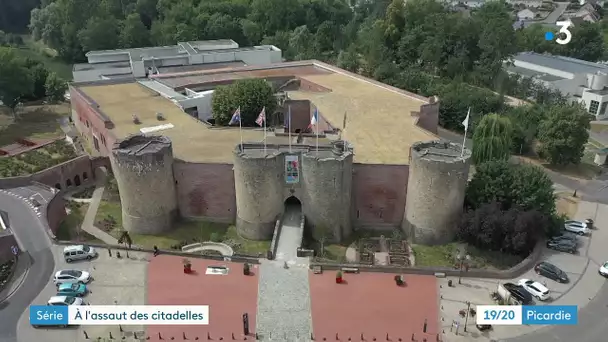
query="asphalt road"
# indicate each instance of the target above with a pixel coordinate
(592, 325)
(36, 245)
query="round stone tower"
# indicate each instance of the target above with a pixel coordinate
(327, 179)
(143, 168)
(438, 175)
(259, 192)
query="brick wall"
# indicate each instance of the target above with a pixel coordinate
(55, 212)
(90, 123)
(205, 191)
(68, 174)
(379, 193)
(428, 118)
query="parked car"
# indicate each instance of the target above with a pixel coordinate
(551, 271)
(79, 252)
(565, 236)
(72, 290)
(483, 327)
(604, 269)
(536, 289)
(65, 300)
(562, 245)
(519, 293)
(71, 276)
(576, 227)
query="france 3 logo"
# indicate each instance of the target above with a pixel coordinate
(564, 36)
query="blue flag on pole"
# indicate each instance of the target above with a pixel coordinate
(236, 117)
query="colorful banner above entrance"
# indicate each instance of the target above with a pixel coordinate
(292, 169)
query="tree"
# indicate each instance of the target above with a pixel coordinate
(55, 87)
(522, 186)
(563, 134)
(16, 81)
(349, 59)
(134, 34)
(38, 73)
(250, 95)
(513, 231)
(493, 139)
(99, 34)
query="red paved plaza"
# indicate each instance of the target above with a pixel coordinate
(228, 297)
(373, 305)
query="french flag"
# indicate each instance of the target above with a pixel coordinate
(315, 118)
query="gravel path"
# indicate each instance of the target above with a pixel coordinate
(284, 302)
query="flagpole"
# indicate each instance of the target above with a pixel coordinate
(241, 129)
(289, 126)
(466, 128)
(317, 133)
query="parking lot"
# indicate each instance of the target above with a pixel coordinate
(582, 270)
(115, 281)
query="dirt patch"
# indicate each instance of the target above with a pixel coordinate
(566, 204)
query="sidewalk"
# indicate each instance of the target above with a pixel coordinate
(88, 224)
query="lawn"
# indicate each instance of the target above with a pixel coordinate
(183, 232)
(445, 256)
(38, 51)
(69, 228)
(36, 121)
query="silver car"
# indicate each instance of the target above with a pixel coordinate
(576, 227)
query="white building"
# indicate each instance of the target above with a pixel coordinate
(527, 14)
(584, 82)
(186, 56)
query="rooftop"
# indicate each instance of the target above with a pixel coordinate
(379, 125)
(532, 73)
(567, 64)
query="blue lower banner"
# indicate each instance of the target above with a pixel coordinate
(550, 314)
(41, 315)
(527, 314)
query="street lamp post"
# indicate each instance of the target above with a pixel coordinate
(466, 319)
(462, 260)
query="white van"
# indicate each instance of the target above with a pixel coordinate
(79, 252)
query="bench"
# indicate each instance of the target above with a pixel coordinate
(350, 270)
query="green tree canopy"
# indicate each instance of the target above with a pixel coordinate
(250, 95)
(55, 87)
(493, 139)
(15, 81)
(522, 186)
(563, 134)
(513, 231)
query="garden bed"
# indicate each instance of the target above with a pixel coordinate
(6, 271)
(445, 256)
(37, 160)
(85, 193)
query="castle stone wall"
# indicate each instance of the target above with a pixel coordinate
(143, 168)
(323, 187)
(326, 204)
(259, 193)
(436, 188)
